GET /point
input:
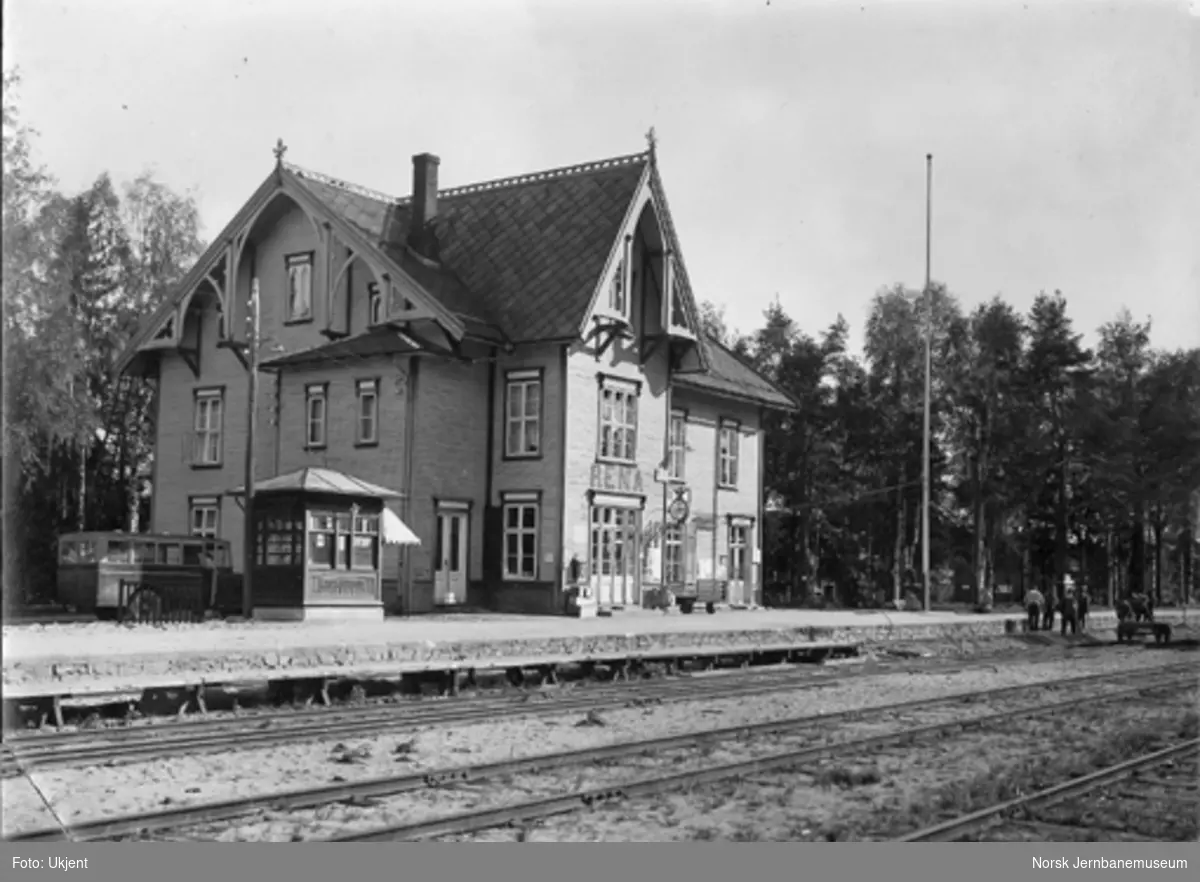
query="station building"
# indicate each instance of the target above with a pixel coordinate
(521, 360)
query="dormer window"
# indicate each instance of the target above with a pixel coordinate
(299, 290)
(618, 296)
(678, 317)
(374, 305)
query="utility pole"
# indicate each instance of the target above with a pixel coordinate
(248, 553)
(925, 469)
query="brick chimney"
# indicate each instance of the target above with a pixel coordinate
(424, 204)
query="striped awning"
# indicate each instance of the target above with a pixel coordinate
(394, 531)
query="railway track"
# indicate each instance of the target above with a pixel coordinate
(438, 786)
(1148, 798)
(194, 737)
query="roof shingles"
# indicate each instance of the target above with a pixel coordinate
(518, 259)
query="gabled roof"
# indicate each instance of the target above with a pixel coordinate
(519, 259)
(729, 375)
(527, 251)
(318, 480)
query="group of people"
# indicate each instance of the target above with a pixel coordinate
(1072, 607)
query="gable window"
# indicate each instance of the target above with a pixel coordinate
(673, 555)
(521, 518)
(677, 445)
(314, 415)
(374, 304)
(368, 412)
(204, 513)
(206, 440)
(299, 290)
(618, 420)
(523, 414)
(618, 295)
(727, 457)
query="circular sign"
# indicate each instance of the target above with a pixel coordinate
(677, 511)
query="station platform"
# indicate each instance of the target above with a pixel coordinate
(80, 658)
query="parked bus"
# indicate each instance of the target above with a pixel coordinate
(112, 573)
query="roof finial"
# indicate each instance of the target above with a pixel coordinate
(280, 149)
(652, 141)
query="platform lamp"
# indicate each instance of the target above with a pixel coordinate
(248, 553)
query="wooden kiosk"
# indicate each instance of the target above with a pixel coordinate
(317, 555)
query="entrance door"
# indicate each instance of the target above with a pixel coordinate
(737, 562)
(615, 567)
(450, 564)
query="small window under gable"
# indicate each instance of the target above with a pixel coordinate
(299, 289)
(618, 296)
(375, 310)
(678, 315)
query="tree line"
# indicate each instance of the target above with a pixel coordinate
(1047, 458)
(80, 271)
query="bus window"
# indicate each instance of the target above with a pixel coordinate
(68, 552)
(222, 556)
(170, 553)
(191, 554)
(143, 552)
(86, 551)
(118, 552)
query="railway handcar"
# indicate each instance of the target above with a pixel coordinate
(701, 592)
(103, 573)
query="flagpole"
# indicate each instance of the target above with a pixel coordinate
(925, 470)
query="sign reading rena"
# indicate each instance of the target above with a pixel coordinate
(617, 478)
(361, 588)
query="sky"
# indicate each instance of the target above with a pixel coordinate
(791, 135)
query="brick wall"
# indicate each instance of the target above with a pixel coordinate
(544, 472)
(704, 413)
(175, 480)
(450, 463)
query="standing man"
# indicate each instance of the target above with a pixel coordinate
(1033, 605)
(1069, 610)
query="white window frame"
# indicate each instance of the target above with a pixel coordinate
(366, 390)
(677, 445)
(207, 429)
(728, 443)
(316, 393)
(204, 506)
(522, 426)
(616, 437)
(299, 272)
(375, 311)
(521, 504)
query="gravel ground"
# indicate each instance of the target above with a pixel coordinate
(1160, 805)
(88, 793)
(882, 796)
(334, 820)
